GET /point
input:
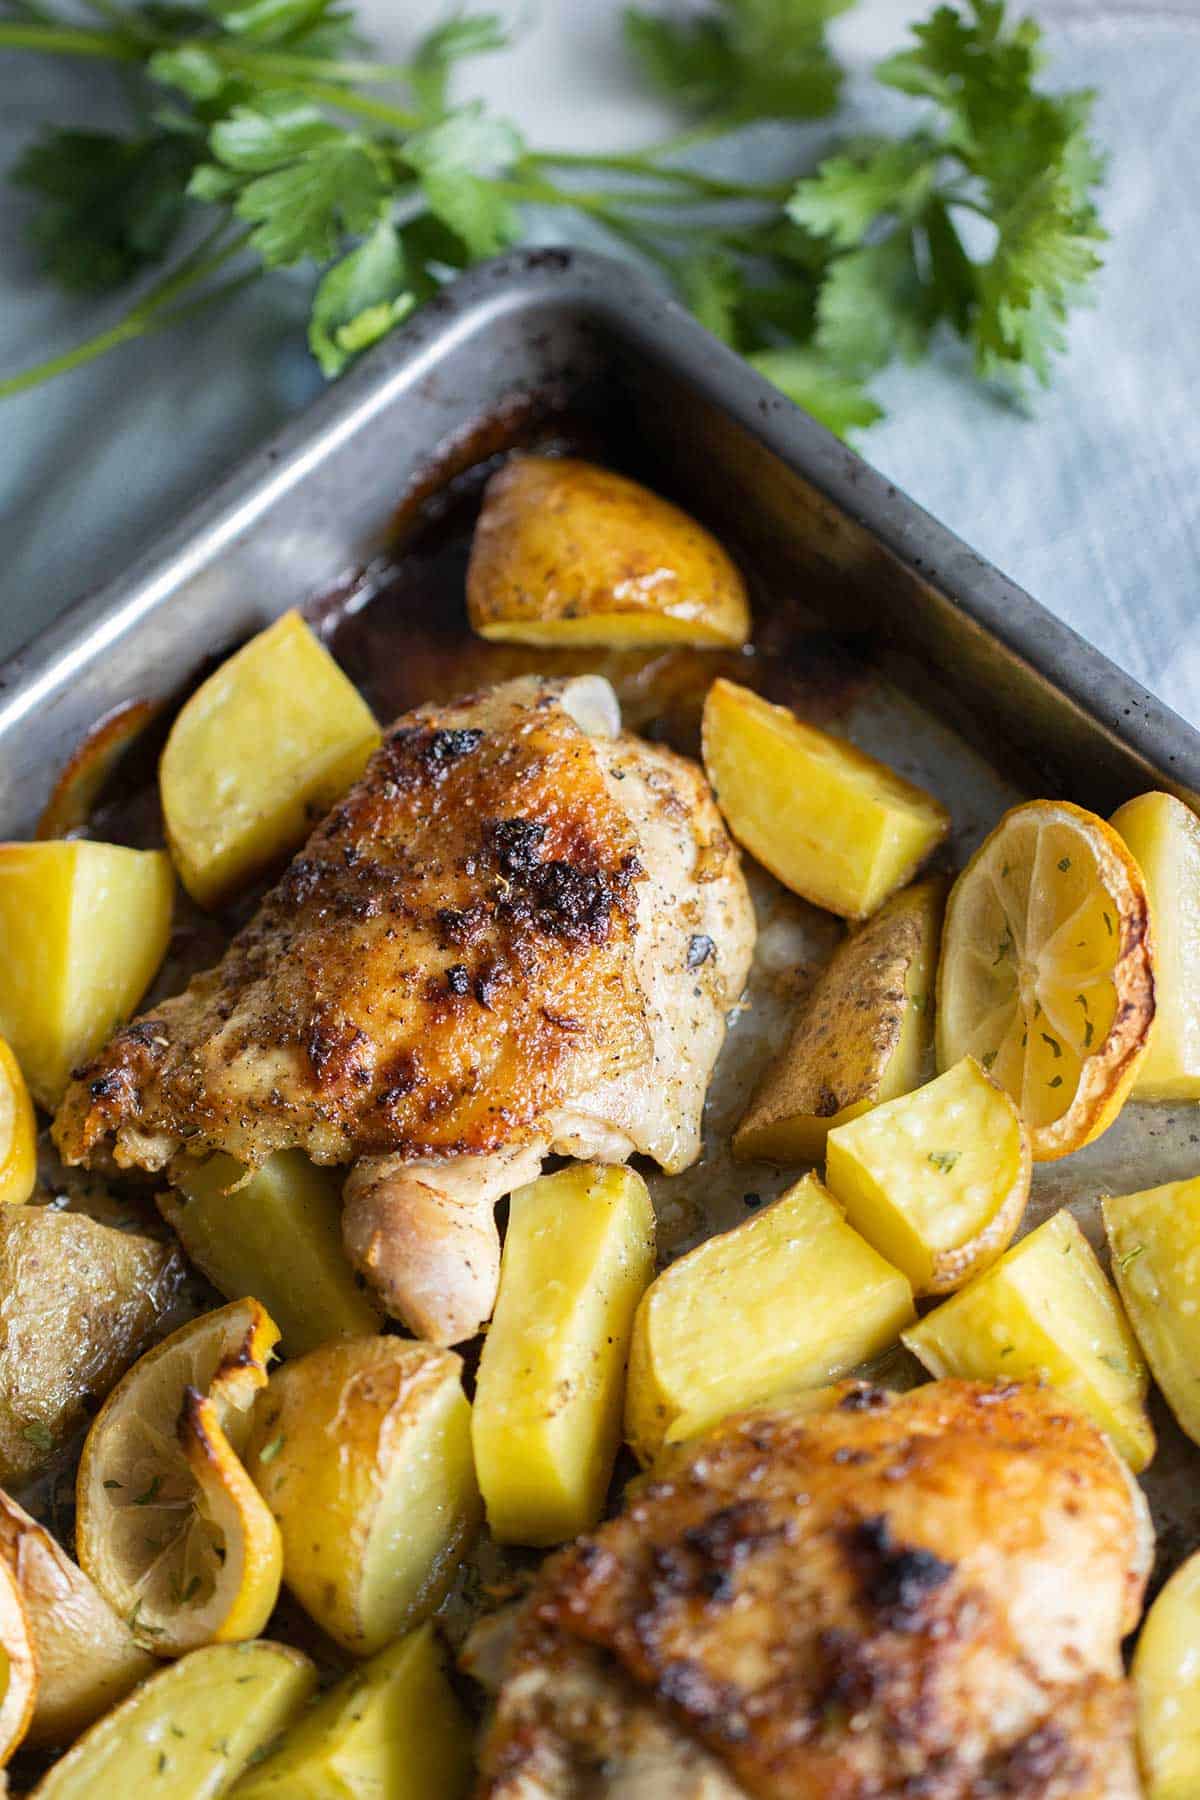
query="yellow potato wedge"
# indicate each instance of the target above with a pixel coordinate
(18, 1667)
(546, 1421)
(81, 1302)
(937, 1180)
(1164, 836)
(87, 1658)
(393, 1728)
(261, 750)
(168, 1524)
(1166, 1680)
(865, 1034)
(834, 825)
(1154, 1238)
(362, 1450)
(83, 928)
(566, 553)
(274, 1232)
(1045, 1312)
(791, 1298)
(189, 1731)
(18, 1133)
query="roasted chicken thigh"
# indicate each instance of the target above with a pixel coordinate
(519, 933)
(858, 1594)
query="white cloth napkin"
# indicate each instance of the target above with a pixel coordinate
(1094, 504)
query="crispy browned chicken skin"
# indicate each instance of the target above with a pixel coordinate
(519, 932)
(917, 1595)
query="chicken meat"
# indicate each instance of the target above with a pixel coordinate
(519, 934)
(851, 1595)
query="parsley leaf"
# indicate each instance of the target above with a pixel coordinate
(108, 205)
(359, 299)
(311, 181)
(467, 34)
(742, 59)
(838, 401)
(455, 161)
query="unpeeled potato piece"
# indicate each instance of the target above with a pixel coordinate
(87, 1657)
(258, 753)
(864, 1035)
(81, 1303)
(274, 1232)
(566, 553)
(189, 1731)
(392, 1729)
(83, 929)
(938, 1179)
(362, 1450)
(835, 825)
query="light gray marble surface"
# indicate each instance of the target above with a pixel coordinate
(1094, 504)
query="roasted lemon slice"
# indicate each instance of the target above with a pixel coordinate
(1046, 975)
(18, 1132)
(170, 1527)
(18, 1666)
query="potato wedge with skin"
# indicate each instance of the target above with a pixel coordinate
(1164, 836)
(546, 1421)
(362, 1450)
(1154, 1238)
(87, 1658)
(1045, 1312)
(865, 1034)
(1166, 1680)
(566, 553)
(81, 1302)
(18, 1667)
(83, 929)
(833, 824)
(393, 1728)
(190, 1730)
(275, 1232)
(938, 1179)
(791, 1298)
(18, 1133)
(258, 753)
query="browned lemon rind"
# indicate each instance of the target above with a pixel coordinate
(1046, 974)
(566, 553)
(87, 1658)
(864, 1035)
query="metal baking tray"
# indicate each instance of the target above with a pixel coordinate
(956, 676)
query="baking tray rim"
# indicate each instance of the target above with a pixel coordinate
(618, 297)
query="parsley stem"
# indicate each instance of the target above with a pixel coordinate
(303, 68)
(710, 186)
(342, 99)
(147, 314)
(62, 40)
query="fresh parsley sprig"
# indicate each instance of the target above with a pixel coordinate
(272, 117)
